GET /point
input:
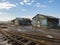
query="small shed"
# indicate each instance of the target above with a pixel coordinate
(45, 22)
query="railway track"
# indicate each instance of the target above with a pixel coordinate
(20, 40)
(37, 37)
(17, 38)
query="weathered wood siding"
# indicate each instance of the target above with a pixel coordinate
(39, 22)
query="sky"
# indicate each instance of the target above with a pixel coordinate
(10, 9)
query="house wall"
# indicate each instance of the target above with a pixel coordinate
(43, 23)
(53, 23)
(39, 22)
(59, 22)
(16, 22)
(22, 21)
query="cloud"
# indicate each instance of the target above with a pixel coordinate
(6, 5)
(5, 16)
(27, 17)
(50, 1)
(2, 18)
(2, 13)
(26, 2)
(33, 1)
(22, 3)
(40, 5)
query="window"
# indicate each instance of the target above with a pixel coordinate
(43, 22)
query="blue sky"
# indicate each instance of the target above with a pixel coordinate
(10, 9)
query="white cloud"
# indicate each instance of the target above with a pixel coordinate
(29, 3)
(27, 17)
(21, 3)
(6, 5)
(40, 5)
(50, 1)
(2, 13)
(5, 16)
(2, 18)
(32, 1)
(26, 2)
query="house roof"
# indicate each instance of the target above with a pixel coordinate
(45, 16)
(21, 19)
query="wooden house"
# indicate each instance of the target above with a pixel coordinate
(21, 21)
(45, 22)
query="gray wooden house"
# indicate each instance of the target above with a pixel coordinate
(21, 21)
(45, 22)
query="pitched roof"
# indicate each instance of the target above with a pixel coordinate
(45, 16)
